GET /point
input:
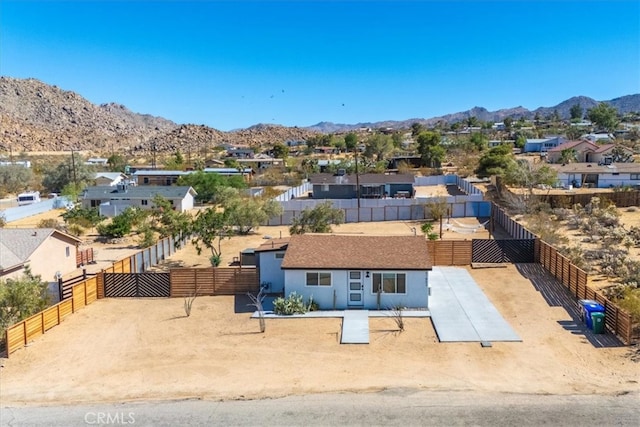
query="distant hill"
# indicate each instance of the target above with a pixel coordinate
(35, 116)
(625, 104)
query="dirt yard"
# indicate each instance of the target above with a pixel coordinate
(127, 349)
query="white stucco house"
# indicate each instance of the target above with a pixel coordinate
(598, 176)
(113, 200)
(350, 272)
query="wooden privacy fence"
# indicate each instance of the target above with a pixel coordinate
(20, 334)
(621, 199)
(213, 281)
(575, 279)
(449, 252)
(84, 257)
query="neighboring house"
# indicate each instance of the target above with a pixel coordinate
(587, 152)
(23, 163)
(240, 152)
(325, 164)
(269, 258)
(325, 150)
(261, 162)
(351, 272)
(170, 177)
(595, 137)
(245, 172)
(157, 177)
(410, 161)
(372, 186)
(598, 176)
(109, 178)
(542, 145)
(97, 162)
(112, 201)
(46, 251)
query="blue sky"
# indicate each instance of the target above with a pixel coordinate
(233, 64)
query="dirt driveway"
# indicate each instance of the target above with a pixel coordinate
(128, 349)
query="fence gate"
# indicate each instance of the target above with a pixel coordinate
(503, 250)
(137, 285)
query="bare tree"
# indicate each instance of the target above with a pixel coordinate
(256, 301)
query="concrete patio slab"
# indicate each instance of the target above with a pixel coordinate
(461, 312)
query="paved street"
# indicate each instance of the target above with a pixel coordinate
(396, 407)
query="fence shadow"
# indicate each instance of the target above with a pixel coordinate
(556, 295)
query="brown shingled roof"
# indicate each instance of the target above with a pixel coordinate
(333, 251)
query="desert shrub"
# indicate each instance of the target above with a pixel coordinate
(215, 260)
(293, 304)
(146, 236)
(76, 230)
(628, 298)
(576, 256)
(562, 214)
(119, 226)
(49, 223)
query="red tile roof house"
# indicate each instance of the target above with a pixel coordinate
(354, 272)
(585, 151)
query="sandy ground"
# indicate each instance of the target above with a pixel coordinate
(127, 349)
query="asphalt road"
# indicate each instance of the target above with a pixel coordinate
(397, 407)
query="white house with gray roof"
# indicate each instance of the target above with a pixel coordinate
(113, 200)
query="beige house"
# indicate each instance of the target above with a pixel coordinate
(585, 151)
(46, 251)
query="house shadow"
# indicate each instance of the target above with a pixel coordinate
(556, 295)
(243, 304)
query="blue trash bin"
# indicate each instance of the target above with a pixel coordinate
(589, 307)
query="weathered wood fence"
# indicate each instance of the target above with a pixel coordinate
(575, 280)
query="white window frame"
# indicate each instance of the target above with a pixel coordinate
(382, 278)
(319, 275)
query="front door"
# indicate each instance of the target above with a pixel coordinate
(356, 289)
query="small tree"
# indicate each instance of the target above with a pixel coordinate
(438, 209)
(208, 229)
(21, 298)
(317, 220)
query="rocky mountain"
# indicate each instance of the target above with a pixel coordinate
(625, 104)
(35, 116)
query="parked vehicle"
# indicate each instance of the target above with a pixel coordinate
(28, 198)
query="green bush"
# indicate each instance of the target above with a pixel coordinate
(293, 304)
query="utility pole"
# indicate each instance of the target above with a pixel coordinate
(357, 183)
(73, 165)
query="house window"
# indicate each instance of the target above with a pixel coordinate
(145, 180)
(325, 187)
(67, 251)
(279, 255)
(635, 176)
(144, 202)
(316, 278)
(389, 283)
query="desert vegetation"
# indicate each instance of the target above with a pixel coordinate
(595, 239)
